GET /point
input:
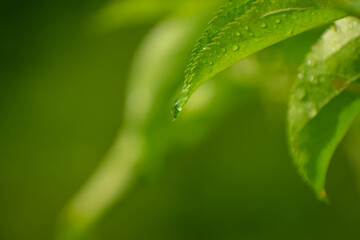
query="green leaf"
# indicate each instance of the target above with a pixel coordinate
(242, 28)
(325, 101)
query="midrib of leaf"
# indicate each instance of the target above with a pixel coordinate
(325, 101)
(265, 24)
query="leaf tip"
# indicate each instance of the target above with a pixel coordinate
(179, 103)
(176, 109)
(323, 197)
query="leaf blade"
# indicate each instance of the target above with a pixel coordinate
(325, 101)
(266, 23)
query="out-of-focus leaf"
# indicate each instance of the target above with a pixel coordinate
(325, 101)
(350, 6)
(245, 27)
(117, 14)
(119, 168)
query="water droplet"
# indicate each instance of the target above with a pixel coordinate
(235, 48)
(308, 62)
(223, 50)
(278, 20)
(311, 109)
(312, 79)
(300, 93)
(179, 103)
(211, 63)
(263, 25)
(237, 33)
(300, 76)
(251, 34)
(246, 28)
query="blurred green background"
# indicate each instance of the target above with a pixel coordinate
(78, 77)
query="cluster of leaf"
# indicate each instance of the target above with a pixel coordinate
(326, 97)
(322, 106)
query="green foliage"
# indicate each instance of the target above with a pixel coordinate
(324, 103)
(242, 28)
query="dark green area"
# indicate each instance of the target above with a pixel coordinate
(62, 92)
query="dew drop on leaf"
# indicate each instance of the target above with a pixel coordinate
(300, 93)
(312, 79)
(311, 109)
(300, 76)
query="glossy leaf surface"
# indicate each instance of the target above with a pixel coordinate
(242, 28)
(325, 101)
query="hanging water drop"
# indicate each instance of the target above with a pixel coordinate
(263, 25)
(278, 20)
